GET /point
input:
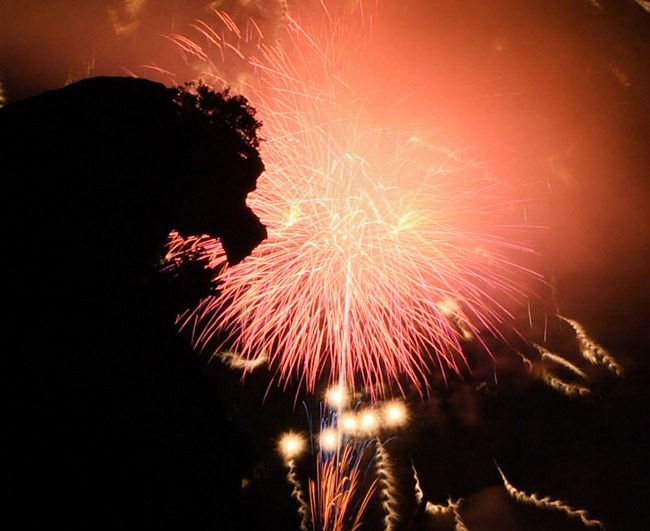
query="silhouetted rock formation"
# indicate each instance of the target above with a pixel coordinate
(113, 424)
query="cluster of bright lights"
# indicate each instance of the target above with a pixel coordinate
(385, 250)
(362, 423)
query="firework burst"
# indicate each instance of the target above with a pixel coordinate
(386, 250)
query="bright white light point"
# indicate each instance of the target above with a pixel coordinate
(336, 397)
(329, 439)
(395, 414)
(368, 421)
(349, 422)
(291, 445)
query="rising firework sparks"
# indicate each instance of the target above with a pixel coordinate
(338, 499)
(386, 251)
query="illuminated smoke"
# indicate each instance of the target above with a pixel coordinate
(125, 18)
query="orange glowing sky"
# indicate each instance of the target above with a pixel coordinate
(558, 90)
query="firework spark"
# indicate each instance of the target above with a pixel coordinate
(385, 252)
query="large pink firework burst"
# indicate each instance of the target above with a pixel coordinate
(386, 250)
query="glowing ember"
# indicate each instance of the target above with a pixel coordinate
(395, 414)
(329, 439)
(337, 397)
(368, 421)
(291, 445)
(349, 423)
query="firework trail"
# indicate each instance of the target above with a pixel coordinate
(298, 494)
(592, 351)
(563, 387)
(386, 250)
(451, 509)
(291, 446)
(459, 525)
(419, 494)
(555, 358)
(430, 508)
(548, 503)
(550, 379)
(387, 488)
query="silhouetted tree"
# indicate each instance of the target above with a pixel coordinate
(113, 425)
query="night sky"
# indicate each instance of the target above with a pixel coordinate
(554, 95)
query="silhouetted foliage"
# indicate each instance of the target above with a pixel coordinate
(114, 424)
(222, 109)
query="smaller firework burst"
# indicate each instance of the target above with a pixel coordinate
(338, 498)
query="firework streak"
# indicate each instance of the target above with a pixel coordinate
(592, 351)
